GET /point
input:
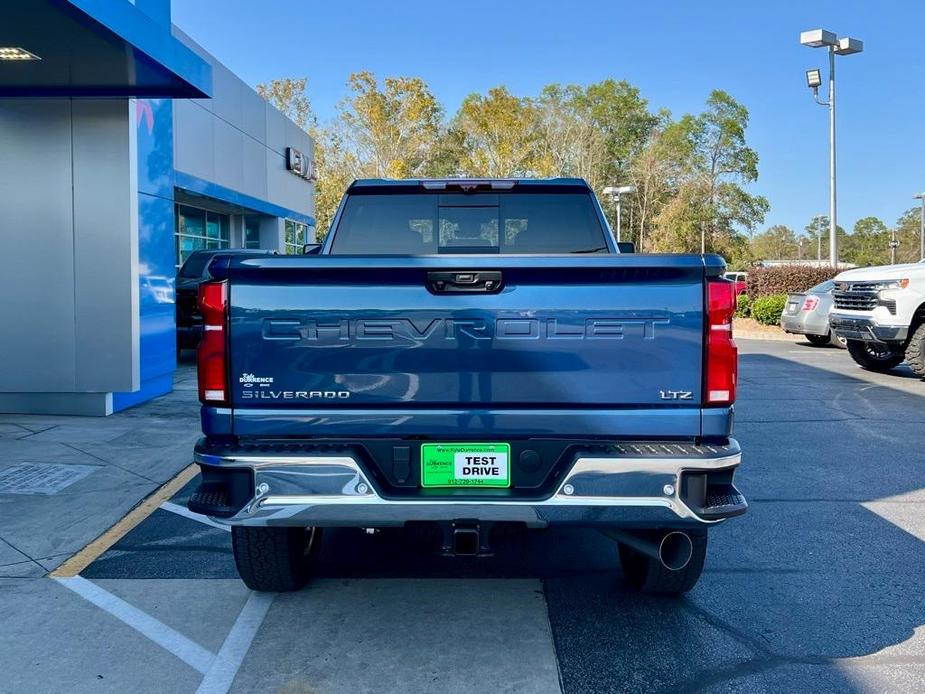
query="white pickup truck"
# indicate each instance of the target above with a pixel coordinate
(880, 311)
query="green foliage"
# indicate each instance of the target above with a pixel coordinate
(592, 132)
(767, 309)
(689, 173)
(784, 279)
(907, 233)
(777, 243)
(289, 96)
(743, 306)
(497, 134)
(709, 202)
(868, 243)
(389, 130)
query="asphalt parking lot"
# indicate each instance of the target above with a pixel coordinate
(818, 587)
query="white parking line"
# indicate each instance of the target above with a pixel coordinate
(188, 651)
(220, 676)
(186, 513)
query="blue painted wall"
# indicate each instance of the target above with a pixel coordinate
(156, 272)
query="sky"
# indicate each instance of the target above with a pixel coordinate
(675, 52)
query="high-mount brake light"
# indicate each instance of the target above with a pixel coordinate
(467, 185)
(722, 360)
(212, 354)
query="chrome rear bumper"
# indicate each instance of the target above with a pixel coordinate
(647, 486)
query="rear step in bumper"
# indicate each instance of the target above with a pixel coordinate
(648, 487)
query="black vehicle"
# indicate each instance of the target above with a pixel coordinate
(194, 272)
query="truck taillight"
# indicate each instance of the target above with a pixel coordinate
(722, 362)
(212, 356)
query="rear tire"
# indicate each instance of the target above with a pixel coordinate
(277, 560)
(817, 340)
(647, 575)
(875, 356)
(915, 351)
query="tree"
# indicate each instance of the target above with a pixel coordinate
(387, 131)
(391, 130)
(622, 116)
(776, 243)
(655, 172)
(335, 170)
(289, 96)
(721, 149)
(868, 243)
(716, 162)
(817, 233)
(595, 133)
(907, 233)
(568, 143)
(497, 134)
(691, 175)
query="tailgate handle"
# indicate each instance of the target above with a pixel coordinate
(464, 281)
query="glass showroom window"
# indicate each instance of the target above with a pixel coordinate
(199, 229)
(251, 232)
(296, 237)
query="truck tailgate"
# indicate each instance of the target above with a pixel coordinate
(345, 332)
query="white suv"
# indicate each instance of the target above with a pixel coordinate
(880, 311)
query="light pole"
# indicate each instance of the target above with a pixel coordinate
(893, 245)
(614, 192)
(921, 196)
(818, 38)
(801, 241)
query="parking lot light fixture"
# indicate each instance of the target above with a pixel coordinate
(814, 78)
(821, 38)
(817, 38)
(614, 193)
(921, 196)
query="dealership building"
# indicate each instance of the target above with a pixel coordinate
(124, 146)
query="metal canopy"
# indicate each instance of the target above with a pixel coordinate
(95, 48)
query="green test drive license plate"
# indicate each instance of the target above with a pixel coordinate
(465, 465)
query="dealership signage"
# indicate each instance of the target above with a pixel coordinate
(300, 164)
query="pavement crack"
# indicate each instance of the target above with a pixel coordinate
(27, 556)
(737, 634)
(108, 462)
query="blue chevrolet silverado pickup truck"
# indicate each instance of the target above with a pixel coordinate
(468, 353)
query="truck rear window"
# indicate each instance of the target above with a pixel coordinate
(429, 223)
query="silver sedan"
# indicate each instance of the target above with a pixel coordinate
(808, 314)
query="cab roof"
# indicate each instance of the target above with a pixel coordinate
(469, 184)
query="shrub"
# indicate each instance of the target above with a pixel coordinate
(785, 279)
(767, 309)
(743, 306)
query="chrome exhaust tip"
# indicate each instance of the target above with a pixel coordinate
(675, 550)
